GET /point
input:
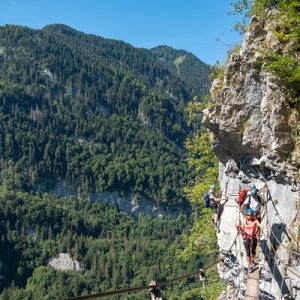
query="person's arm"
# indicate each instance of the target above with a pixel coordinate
(258, 224)
(218, 200)
(223, 198)
(214, 199)
(246, 202)
(240, 226)
(243, 207)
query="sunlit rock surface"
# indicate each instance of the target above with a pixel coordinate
(64, 263)
(253, 134)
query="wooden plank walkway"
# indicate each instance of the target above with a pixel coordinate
(252, 287)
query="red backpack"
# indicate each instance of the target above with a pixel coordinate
(242, 195)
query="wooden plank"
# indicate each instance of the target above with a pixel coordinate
(252, 287)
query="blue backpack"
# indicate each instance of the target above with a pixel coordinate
(206, 200)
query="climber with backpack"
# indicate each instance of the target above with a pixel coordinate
(249, 229)
(242, 196)
(213, 201)
(253, 201)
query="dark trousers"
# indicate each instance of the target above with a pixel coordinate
(250, 246)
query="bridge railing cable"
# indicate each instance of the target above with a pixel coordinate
(290, 234)
(143, 288)
(157, 284)
(274, 235)
(274, 264)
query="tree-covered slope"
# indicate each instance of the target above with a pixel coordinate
(97, 113)
(189, 68)
(114, 249)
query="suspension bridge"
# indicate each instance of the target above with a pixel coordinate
(271, 269)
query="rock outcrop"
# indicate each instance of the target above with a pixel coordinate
(130, 203)
(64, 263)
(253, 134)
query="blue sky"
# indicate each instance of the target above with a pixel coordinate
(202, 27)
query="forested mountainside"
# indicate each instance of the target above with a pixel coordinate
(95, 113)
(114, 250)
(191, 70)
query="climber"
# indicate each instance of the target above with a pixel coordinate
(214, 204)
(254, 202)
(254, 188)
(249, 229)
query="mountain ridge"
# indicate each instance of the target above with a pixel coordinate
(65, 86)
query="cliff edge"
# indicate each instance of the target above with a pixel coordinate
(253, 127)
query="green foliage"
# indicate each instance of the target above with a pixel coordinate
(115, 250)
(190, 69)
(97, 114)
(212, 291)
(202, 238)
(178, 61)
(204, 162)
(248, 8)
(194, 112)
(283, 64)
(287, 70)
(218, 72)
(201, 159)
(241, 7)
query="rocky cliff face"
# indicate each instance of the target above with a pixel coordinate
(130, 203)
(253, 134)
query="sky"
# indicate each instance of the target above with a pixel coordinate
(202, 27)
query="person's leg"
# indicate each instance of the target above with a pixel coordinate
(248, 252)
(216, 218)
(253, 251)
(249, 261)
(215, 210)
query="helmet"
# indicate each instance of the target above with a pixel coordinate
(212, 187)
(249, 211)
(249, 193)
(252, 186)
(254, 192)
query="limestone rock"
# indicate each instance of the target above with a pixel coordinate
(251, 117)
(64, 263)
(252, 129)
